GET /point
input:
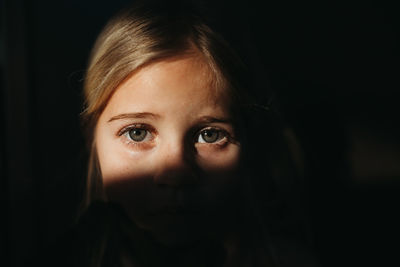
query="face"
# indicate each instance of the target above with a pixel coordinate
(168, 151)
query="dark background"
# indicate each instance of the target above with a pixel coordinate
(333, 65)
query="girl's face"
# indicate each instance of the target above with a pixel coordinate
(168, 152)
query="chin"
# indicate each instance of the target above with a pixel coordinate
(177, 231)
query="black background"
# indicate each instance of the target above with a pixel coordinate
(333, 65)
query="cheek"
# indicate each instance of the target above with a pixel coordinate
(128, 181)
(111, 165)
(127, 177)
(220, 169)
(117, 164)
(212, 158)
(126, 174)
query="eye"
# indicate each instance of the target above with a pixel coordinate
(210, 136)
(137, 133)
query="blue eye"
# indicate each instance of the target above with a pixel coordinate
(210, 136)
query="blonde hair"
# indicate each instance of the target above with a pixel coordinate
(137, 37)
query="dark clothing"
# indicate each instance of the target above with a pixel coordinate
(106, 237)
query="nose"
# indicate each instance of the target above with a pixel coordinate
(176, 166)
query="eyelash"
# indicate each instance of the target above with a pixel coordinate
(150, 130)
(225, 135)
(125, 132)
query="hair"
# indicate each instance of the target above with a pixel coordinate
(147, 33)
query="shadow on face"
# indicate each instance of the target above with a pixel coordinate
(180, 212)
(168, 152)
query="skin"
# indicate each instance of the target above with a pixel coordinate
(176, 183)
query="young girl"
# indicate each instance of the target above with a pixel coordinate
(188, 165)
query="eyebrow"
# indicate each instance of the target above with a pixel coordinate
(141, 115)
(210, 119)
(136, 115)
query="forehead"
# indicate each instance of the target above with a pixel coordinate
(184, 84)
